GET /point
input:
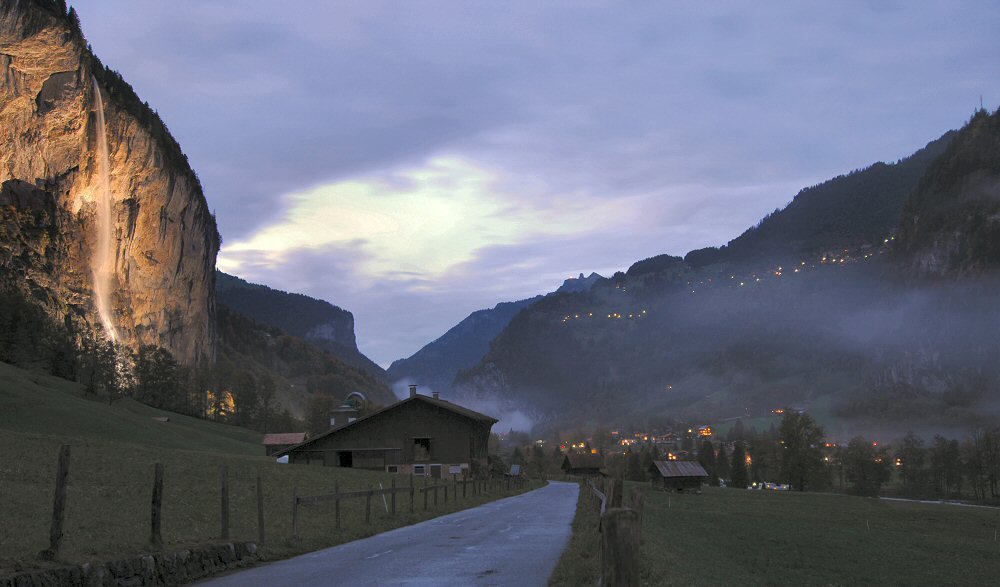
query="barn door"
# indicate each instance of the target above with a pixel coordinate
(436, 471)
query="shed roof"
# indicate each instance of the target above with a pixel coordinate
(283, 438)
(679, 469)
(440, 403)
(584, 461)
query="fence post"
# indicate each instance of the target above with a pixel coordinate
(620, 548)
(412, 493)
(638, 504)
(368, 506)
(425, 494)
(394, 498)
(156, 511)
(58, 506)
(435, 493)
(336, 503)
(260, 510)
(225, 502)
(465, 486)
(295, 511)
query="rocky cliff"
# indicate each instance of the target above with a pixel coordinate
(317, 321)
(163, 237)
(951, 223)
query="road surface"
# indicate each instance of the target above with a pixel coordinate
(512, 541)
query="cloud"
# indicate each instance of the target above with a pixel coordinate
(442, 154)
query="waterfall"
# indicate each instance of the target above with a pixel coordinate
(103, 261)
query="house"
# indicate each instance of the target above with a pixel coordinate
(419, 435)
(677, 475)
(278, 442)
(584, 464)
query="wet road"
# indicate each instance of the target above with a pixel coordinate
(513, 541)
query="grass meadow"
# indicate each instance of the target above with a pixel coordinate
(739, 537)
(113, 452)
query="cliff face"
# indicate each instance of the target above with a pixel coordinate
(951, 223)
(163, 237)
(317, 321)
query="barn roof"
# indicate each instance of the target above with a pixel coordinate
(679, 469)
(584, 461)
(283, 438)
(440, 403)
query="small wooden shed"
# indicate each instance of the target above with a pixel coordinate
(677, 475)
(278, 442)
(584, 464)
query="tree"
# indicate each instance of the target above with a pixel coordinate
(158, 379)
(911, 453)
(634, 470)
(268, 403)
(318, 408)
(722, 463)
(945, 466)
(801, 456)
(866, 467)
(706, 456)
(738, 477)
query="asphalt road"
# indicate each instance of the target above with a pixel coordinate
(512, 541)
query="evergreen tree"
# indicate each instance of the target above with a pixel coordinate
(738, 477)
(706, 456)
(722, 463)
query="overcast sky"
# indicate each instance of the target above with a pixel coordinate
(415, 161)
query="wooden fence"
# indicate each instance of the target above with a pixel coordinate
(440, 491)
(621, 532)
(441, 486)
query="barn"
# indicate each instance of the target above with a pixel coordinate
(677, 475)
(274, 443)
(583, 464)
(419, 435)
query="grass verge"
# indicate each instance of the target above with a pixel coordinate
(579, 563)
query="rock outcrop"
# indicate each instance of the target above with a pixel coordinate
(164, 237)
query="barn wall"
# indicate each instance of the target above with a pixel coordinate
(455, 439)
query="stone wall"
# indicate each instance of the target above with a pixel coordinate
(177, 568)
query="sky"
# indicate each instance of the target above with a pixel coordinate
(413, 162)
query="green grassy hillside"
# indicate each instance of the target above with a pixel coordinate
(48, 406)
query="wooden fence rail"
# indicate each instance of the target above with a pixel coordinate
(479, 486)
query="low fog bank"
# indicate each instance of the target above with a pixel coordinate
(859, 346)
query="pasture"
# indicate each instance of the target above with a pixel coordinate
(739, 537)
(113, 452)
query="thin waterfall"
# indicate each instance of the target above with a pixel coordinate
(103, 261)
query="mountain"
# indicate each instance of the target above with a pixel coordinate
(436, 364)
(815, 307)
(951, 223)
(96, 196)
(251, 352)
(861, 207)
(319, 322)
(581, 283)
